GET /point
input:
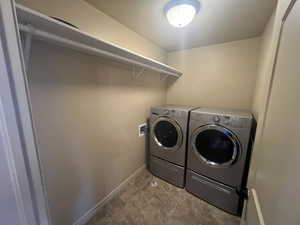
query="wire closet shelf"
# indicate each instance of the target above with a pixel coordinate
(39, 26)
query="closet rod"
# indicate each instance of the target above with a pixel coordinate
(52, 38)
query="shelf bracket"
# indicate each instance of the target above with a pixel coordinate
(136, 74)
(163, 76)
(27, 47)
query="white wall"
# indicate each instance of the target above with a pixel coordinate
(16, 204)
(220, 75)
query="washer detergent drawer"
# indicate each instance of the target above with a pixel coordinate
(167, 171)
(217, 194)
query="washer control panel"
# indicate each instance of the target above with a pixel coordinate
(221, 119)
(170, 113)
(233, 121)
(166, 112)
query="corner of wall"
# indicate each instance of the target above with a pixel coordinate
(95, 22)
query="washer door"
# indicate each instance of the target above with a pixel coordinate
(215, 145)
(167, 133)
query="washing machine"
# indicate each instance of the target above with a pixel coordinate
(167, 144)
(220, 144)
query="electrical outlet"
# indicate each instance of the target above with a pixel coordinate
(142, 129)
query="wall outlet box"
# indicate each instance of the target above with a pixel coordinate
(142, 129)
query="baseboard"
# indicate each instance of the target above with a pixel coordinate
(93, 211)
(258, 207)
(252, 213)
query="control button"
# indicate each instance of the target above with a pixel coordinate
(227, 120)
(166, 112)
(216, 119)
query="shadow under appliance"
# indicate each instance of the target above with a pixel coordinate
(220, 143)
(167, 142)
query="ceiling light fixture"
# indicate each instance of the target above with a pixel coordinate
(181, 12)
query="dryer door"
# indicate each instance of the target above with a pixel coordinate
(215, 145)
(167, 133)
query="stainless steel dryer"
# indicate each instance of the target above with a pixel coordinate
(167, 144)
(218, 156)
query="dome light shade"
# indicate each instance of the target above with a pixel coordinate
(180, 13)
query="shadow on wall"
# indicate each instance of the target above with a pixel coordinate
(86, 115)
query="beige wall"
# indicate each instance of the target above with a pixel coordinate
(265, 66)
(95, 22)
(264, 79)
(277, 182)
(274, 162)
(80, 103)
(86, 116)
(262, 86)
(216, 76)
(86, 111)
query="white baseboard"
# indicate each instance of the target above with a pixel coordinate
(258, 207)
(93, 211)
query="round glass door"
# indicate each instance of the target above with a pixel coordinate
(167, 133)
(216, 145)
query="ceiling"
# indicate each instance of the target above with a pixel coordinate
(218, 21)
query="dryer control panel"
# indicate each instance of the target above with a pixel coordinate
(169, 113)
(225, 120)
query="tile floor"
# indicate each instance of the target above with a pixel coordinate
(142, 203)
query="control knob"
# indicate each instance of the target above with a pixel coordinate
(216, 119)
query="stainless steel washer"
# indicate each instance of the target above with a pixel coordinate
(218, 155)
(167, 134)
(167, 144)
